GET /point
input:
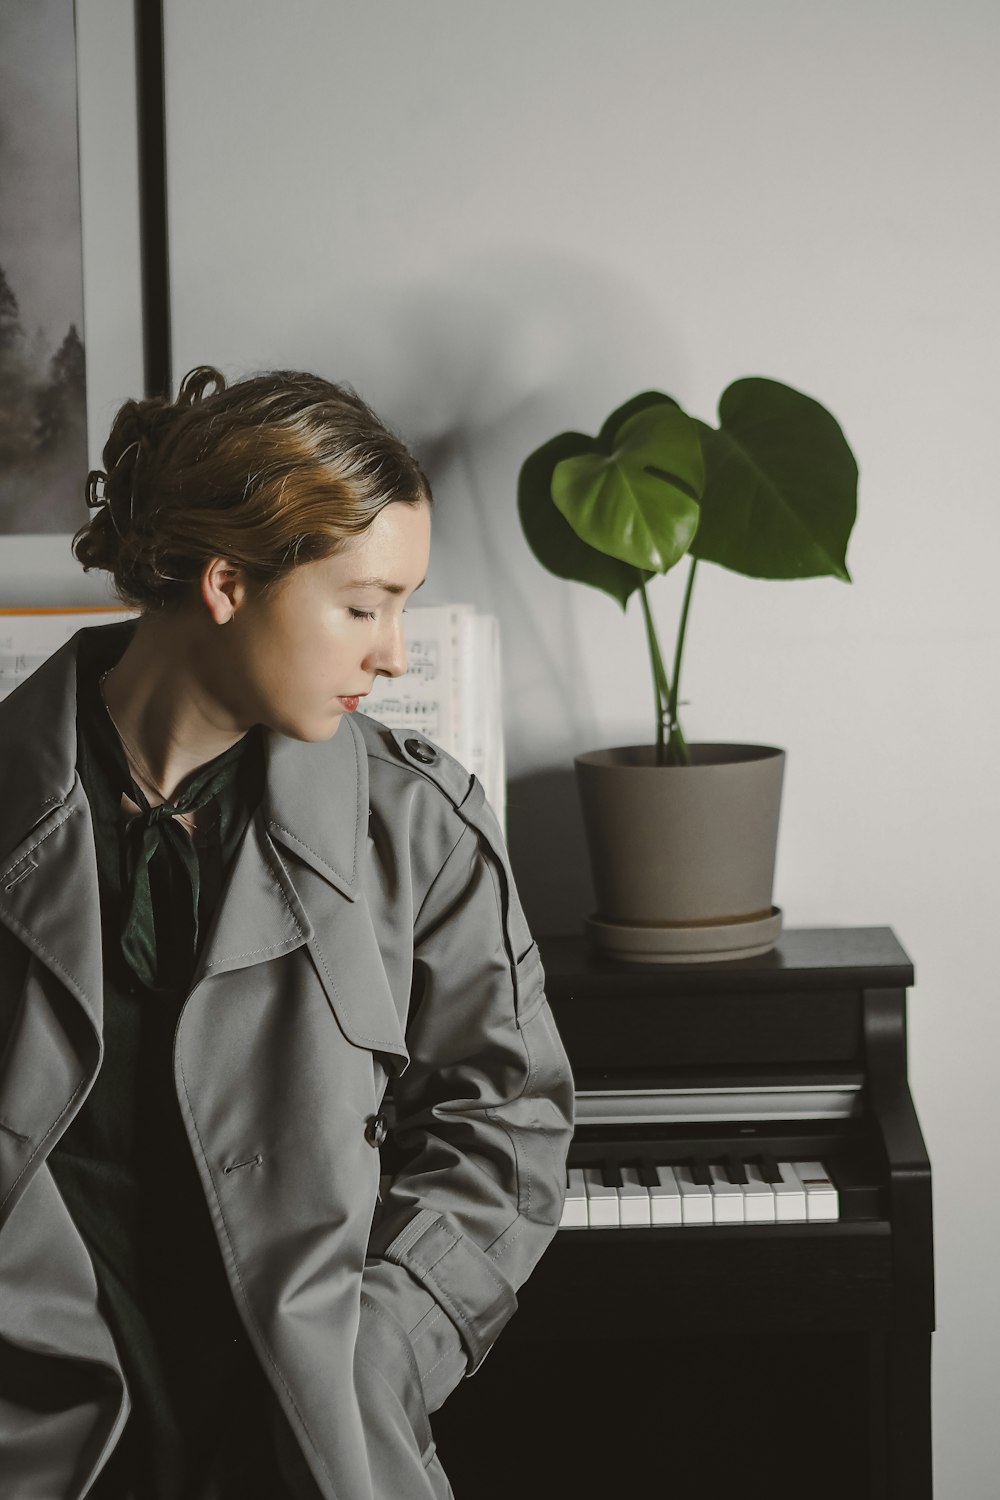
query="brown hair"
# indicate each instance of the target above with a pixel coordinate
(277, 470)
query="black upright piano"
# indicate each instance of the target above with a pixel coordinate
(740, 1298)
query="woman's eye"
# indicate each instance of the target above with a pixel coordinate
(362, 614)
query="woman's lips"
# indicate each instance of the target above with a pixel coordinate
(350, 704)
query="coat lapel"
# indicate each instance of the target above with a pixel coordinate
(49, 903)
(297, 878)
(49, 899)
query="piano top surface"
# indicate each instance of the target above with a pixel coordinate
(804, 958)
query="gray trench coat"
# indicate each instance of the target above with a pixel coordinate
(369, 929)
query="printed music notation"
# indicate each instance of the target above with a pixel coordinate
(15, 666)
(28, 637)
(427, 699)
(451, 691)
(423, 660)
(422, 716)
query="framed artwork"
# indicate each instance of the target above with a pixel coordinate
(43, 414)
(45, 375)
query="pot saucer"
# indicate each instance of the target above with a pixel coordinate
(684, 945)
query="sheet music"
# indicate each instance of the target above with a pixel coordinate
(30, 636)
(425, 700)
(451, 691)
(488, 755)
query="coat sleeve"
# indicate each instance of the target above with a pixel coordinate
(483, 1120)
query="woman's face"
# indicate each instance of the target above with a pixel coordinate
(332, 627)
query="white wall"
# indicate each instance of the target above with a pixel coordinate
(501, 221)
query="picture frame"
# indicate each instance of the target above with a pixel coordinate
(153, 232)
(43, 428)
(122, 183)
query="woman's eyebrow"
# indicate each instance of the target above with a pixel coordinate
(381, 583)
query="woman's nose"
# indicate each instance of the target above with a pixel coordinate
(390, 655)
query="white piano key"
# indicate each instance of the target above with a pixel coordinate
(822, 1199)
(574, 1214)
(602, 1202)
(696, 1198)
(758, 1197)
(789, 1196)
(633, 1199)
(727, 1200)
(665, 1198)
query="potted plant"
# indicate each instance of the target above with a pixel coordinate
(683, 837)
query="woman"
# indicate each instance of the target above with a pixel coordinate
(233, 910)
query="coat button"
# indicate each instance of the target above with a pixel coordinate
(420, 751)
(376, 1130)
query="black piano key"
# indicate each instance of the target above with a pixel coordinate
(699, 1170)
(611, 1174)
(647, 1174)
(736, 1170)
(769, 1169)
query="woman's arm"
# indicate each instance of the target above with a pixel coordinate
(483, 1120)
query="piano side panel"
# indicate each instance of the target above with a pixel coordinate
(905, 1162)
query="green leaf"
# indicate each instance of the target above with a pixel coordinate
(780, 496)
(637, 503)
(552, 539)
(609, 431)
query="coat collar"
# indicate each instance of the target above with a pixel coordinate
(315, 798)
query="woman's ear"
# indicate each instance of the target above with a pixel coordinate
(223, 587)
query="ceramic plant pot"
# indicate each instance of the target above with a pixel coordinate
(682, 856)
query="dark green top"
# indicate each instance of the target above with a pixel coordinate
(197, 1429)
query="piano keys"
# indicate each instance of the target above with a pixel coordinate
(668, 1193)
(821, 1195)
(602, 1200)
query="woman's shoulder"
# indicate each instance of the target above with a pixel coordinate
(403, 753)
(416, 787)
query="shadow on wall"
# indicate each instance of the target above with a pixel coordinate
(486, 364)
(548, 852)
(475, 364)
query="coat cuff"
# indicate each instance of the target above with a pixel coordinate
(459, 1275)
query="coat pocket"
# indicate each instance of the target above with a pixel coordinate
(529, 985)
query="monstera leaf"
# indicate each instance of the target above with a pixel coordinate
(780, 495)
(554, 540)
(637, 503)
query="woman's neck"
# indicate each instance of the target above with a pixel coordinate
(167, 719)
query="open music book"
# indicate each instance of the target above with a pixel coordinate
(450, 693)
(30, 636)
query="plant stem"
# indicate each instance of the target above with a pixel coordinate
(680, 754)
(660, 686)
